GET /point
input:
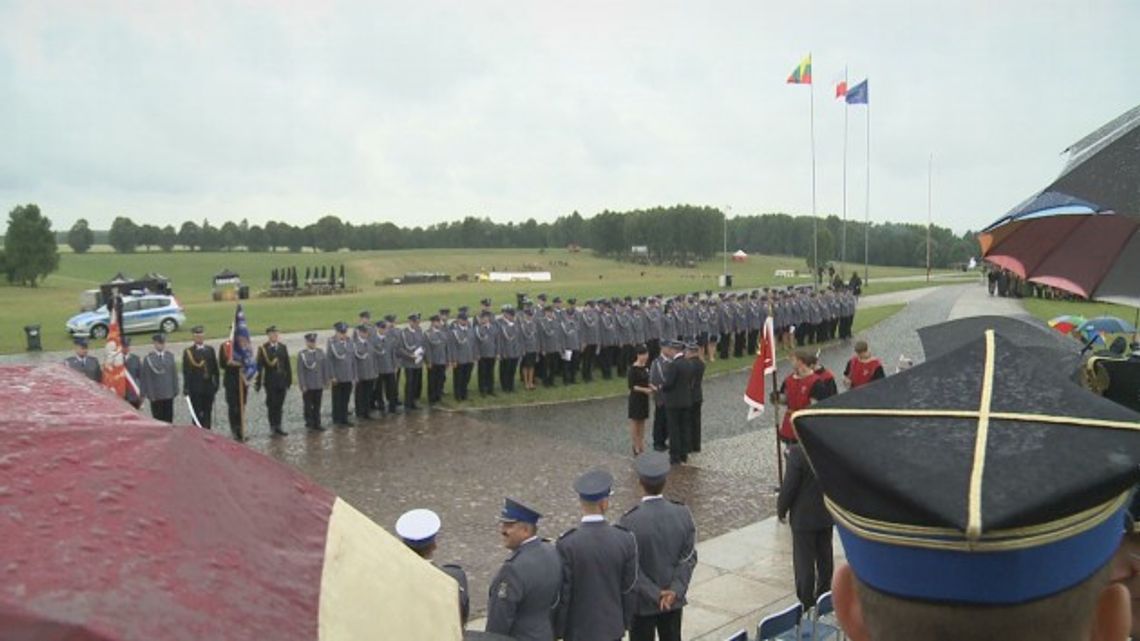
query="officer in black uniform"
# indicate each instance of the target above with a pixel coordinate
(418, 529)
(200, 377)
(237, 389)
(599, 568)
(524, 592)
(667, 553)
(275, 373)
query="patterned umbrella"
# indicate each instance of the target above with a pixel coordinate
(121, 528)
(1067, 323)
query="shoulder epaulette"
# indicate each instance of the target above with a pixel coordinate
(632, 510)
(622, 528)
(547, 539)
(567, 533)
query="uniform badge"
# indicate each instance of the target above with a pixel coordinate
(503, 590)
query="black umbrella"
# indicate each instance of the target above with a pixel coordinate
(1104, 166)
(1023, 331)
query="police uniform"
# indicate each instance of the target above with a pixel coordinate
(657, 379)
(418, 530)
(435, 341)
(624, 318)
(510, 349)
(487, 344)
(599, 571)
(312, 377)
(678, 388)
(201, 379)
(590, 332)
(609, 341)
(275, 374)
(666, 554)
(461, 354)
(524, 592)
(698, 370)
(387, 396)
(87, 365)
(159, 380)
(532, 353)
(572, 343)
(410, 356)
(365, 364)
(237, 389)
(342, 372)
(550, 345)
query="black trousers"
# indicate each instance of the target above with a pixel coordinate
(551, 363)
(677, 422)
(507, 369)
(608, 355)
(437, 376)
(413, 385)
(666, 625)
(625, 359)
(486, 376)
(163, 410)
(386, 398)
(722, 346)
(660, 431)
(812, 563)
(362, 396)
(341, 391)
(274, 401)
(654, 347)
(460, 379)
(738, 343)
(233, 408)
(589, 354)
(311, 403)
(203, 408)
(570, 368)
(802, 331)
(695, 426)
(753, 340)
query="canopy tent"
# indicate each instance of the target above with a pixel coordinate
(227, 277)
(739, 256)
(130, 529)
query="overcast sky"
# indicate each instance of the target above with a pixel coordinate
(427, 111)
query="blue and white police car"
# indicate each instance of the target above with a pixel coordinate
(141, 313)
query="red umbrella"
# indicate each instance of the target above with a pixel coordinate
(117, 527)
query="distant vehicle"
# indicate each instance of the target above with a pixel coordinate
(144, 313)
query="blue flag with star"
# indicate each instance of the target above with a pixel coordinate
(858, 95)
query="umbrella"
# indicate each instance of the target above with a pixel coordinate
(1080, 234)
(1066, 323)
(1108, 325)
(119, 528)
(1024, 331)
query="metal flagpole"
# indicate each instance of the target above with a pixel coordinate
(724, 250)
(929, 209)
(843, 251)
(814, 215)
(867, 207)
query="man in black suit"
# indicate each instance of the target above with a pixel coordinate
(678, 387)
(275, 373)
(811, 527)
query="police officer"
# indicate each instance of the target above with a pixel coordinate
(342, 372)
(435, 340)
(87, 365)
(487, 345)
(524, 592)
(275, 374)
(133, 365)
(237, 389)
(200, 377)
(312, 377)
(418, 530)
(656, 379)
(410, 356)
(693, 355)
(159, 380)
(571, 344)
(609, 340)
(385, 397)
(550, 344)
(678, 388)
(365, 364)
(461, 355)
(590, 332)
(599, 568)
(510, 349)
(667, 553)
(532, 349)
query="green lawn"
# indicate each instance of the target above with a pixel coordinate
(864, 320)
(574, 274)
(1047, 309)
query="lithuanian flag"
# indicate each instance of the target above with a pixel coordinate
(801, 75)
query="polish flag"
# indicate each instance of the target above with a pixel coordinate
(841, 86)
(764, 366)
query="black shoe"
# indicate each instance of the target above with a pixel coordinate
(317, 428)
(346, 424)
(277, 431)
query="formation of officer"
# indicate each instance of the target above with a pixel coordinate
(666, 546)
(83, 362)
(201, 377)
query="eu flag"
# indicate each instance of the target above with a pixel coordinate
(857, 95)
(242, 346)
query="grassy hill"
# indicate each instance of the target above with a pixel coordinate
(574, 274)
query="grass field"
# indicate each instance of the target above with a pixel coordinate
(1047, 309)
(864, 320)
(574, 274)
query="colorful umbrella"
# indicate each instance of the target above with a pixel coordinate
(1108, 325)
(117, 527)
(1080, 234)
(1067, 323)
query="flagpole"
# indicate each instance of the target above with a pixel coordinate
(846, 110)
(867, 207)
(929, 209)
(814, 215)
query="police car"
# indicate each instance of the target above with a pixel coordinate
(141, 313)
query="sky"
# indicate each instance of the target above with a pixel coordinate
(429, 111)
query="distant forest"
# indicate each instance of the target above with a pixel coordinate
(671, 235)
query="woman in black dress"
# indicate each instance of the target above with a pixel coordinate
(639, 392)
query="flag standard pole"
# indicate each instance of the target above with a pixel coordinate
(929, 209)
(776, 418)
(867, 206)
(814, 214)
(843, 251)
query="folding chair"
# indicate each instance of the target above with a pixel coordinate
(778, 626)
(820, 630)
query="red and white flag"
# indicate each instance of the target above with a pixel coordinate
(765, 365)
(115, 375)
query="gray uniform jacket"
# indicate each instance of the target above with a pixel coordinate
(159, 380)
(655, 326)
(741, 311)
(625, 328)
(89, 366)
(657, 371)
(487, 340)
(457, 573)
(408, 340)
(524, 593)
(669, 326)
(599, 574)
(436, 352)
(510, 339)
(341, 362)
(529, 331)
(312, 369)
(590, 330)
(755, 315)
(549, 335)
(460, 346)
(640, 327)
(666, 551)
(384, 352)
(365, 362)
(609, 330)
(570, 338)
(815, 311)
